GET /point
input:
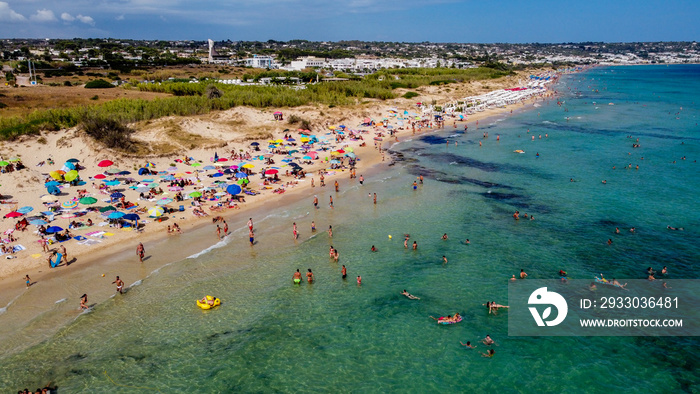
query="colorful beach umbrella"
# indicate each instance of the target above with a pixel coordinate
(100, 176)
(156, 211)
(53, 229)
(25, 210)
(38, 222)
(164, 201)
(70, 204)
(13, 214)
(248, 165)
(58, 174)
(105, 163)
(107, 209)
(271, 172)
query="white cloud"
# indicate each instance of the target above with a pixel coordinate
(85, 19)
(120, 17)
(67, 17)
(43, 16)
(7, 14)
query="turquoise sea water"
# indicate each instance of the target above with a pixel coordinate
(336, 336)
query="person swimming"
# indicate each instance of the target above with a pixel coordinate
(409, 296)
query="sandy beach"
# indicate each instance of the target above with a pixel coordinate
(111, 250)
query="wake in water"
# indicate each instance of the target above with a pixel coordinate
(3, 310)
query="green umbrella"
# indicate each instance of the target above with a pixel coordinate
(242, 181)
(88, 200)
(195, 164)
(70, 175)
(195, 194)
(108, 208)
(3, 163)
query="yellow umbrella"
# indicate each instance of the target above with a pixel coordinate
(179, 175)
(331, 127)
(70, 175)
(279, 141)
(57, 175)
(348, 149)
(156, 211)
(248, 165)
(335, 153)
(305, 139)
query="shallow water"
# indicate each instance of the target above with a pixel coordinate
(334, 335)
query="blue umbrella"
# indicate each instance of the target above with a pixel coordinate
(112, 183)
(52, 183)
(218, 174)
(241, 175)
(26, 209)
(255, 143)
(53, 229)
(169, 178)
(69, 165)
(131, 216)
(38, 222)
(144, 171)
(53, 190)
(228, 171)
(233, 189)
(116, 195)
(149, 180)
(124, 173)
(72, 160)
(115, 215)
(209, 168)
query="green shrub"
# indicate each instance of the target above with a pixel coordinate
(108, 131)
(410, 95)
(95, 97)
(3, 105)
(98, 84)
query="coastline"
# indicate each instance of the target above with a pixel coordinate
(115, 258)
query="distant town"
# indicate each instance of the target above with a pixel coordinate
(346, 56)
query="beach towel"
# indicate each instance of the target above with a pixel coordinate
(126, 229)
(108, 234)
(96, 234)
(89, 242)
(36, 255)
(92, 233)
(17, 248)
(80, 238)
(67, 239)
(55, 263)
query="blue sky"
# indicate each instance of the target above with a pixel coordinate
(484, 21)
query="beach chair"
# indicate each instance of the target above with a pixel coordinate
(56, 263)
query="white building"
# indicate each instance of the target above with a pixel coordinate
(258, 61)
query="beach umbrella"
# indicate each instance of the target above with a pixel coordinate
(168, 177)
(254, 143)
(350, 155)
(116, 195)
(195, 164)
(58, 175)
(113, 171)
(72, 161)
(195, 194)
(100, 176)
(334, 162)
(88, 200)
(53, 229)
(38, 222)
(141, 189)
(112, 183)
(313, 154)
(242, 181)
(25, 210)
(217, 175)
(349, 150)
(70, 204)
(241, 175)
(149, 164)
(124, 173)
(307, 158)
(115, 215)
(52, 183)
(233, 189)
(70, 175)
(175, 188)
(248, 166)
(48, 198)
(131, 216)
(53, 190)
(271, 172)
(107, 209)
(105, 163)
(164, 201)
(152, 185)
(156, 211)
(207, 168)
(142, 171)
(4, 163)
(69, 166)
(220, 194)
(173, 168)
(13, 214)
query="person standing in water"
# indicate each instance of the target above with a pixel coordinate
(251, 237)
(344, 272)
(310, 276)
(250, 224)
(29, 281)
(140, 251)
(375, 198)
(297, 277)
(362, 179)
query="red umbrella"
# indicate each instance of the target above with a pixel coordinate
(100, 176)
(105, 163)
(13, 214)
(271, 172)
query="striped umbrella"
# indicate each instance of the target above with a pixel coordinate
(70, 204)
(156, 211)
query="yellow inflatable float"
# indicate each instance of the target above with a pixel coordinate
(208, 302)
